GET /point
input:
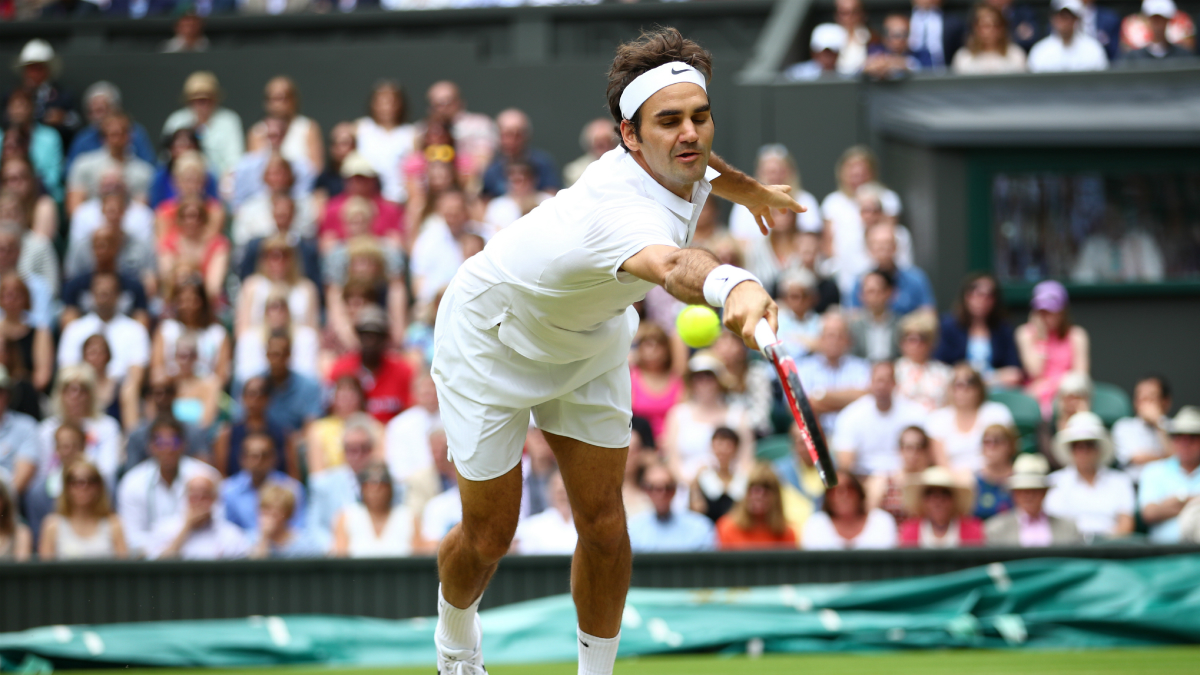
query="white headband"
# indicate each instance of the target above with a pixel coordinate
(648, 83)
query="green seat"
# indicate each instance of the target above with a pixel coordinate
(773, 448)
(1026, 412)
(1110, 402)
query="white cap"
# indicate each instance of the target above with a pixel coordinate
(1073, 6)
(36, 51)
(830, 36)
(1163, 8)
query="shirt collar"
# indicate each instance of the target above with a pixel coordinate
(677, 205)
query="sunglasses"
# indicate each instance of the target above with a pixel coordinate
(77, 481)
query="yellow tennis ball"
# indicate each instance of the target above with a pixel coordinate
(698, 326)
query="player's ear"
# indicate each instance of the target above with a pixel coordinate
(630, 136)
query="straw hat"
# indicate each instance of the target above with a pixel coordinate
(937, 477)
(201, 84)
(354, 164)
(705, 362)
(38, 51)
(1029, 473)
(1187, 421)
(1083, 426)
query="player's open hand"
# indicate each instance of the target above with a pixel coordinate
(772, 197)
(747, 303)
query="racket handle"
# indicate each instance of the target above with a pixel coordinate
(763, 334)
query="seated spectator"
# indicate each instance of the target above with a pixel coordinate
(191, 314)
(868, 430)
(100, 101)
(302, 142)
(515, 133)
(941, 506)
(133, 356)
(520, 198)
(1067, 48)
(1158, 15)
(335, 488)
(687, 434)
(976, 332)
(283, 216)
(874, 328)
(84, 525)
(39, 144)
(278, 272)
(277, 537)
(198, 396)
(35, 344)
(775, 166)
(991, 481)
(551, 532)
(161, 403)
(189, 179)
(40, 213)
(250, 353)
(440, 248)
(886, 491)
(1050, 345)
(16, 542)
(385, 138)
(1104, 24)
(668, 529)
(757, 522)
(832, 377)
(361, 180)
(329, 182)
(749, 381)
(22, 396)
(719, 486)
(936, 36)
(475, 134)
(41, 292)
(189, 35)
(1027, 525)
(846, 522)
(295, 398)
(989, 49)
(230, 439)
(439, 512)
(957, 429)
(406, 438)
(20, 456)
(1143, 438)
(799, 322)
(1136, 32)
(1098, 499)
(919, 378)
(116, 399)
(1168, 486)
(596, 139)
(178, 144)
(374, 528)
(111, 208)
(911, 288)
(155, 492)
(539, 467)
(83, 182)
(240, 492)
(850, 15)
(842, 210)
(200, 532)
(193, 245)
(637, 459)
(254, 216)
(767, 257)
(824, 46)
(365, 259)
(74, 400)
(324, 437)
(1074, 395)
(891, 58)
(110, 251)
(801, 482)
(656, 385)
(428, 173)
(219, 129)
(387, 379)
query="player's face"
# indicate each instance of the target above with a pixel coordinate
(676, 136)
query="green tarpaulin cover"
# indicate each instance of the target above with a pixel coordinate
(1046, 603)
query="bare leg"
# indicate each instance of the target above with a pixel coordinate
(468, 556)
(603, 562)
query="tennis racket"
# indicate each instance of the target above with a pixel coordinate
(789, 378)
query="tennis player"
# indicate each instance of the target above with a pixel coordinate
(542, 321)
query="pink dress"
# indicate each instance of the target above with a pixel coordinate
(651, 405)
(1057, 358)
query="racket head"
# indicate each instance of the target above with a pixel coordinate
(806, 419)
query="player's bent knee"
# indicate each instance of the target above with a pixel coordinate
(490, 544)
(606, 530)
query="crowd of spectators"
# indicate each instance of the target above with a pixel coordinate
(220, 348)
(994, 37)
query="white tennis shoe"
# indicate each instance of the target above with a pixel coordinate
(461, 661)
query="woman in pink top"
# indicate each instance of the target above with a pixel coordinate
(656, 388)
(1050, 345)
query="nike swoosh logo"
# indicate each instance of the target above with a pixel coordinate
(676, 72)
(584, 643)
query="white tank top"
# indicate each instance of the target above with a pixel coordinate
(208, 346)
(395, 541)
(71, 546)
(295, 142)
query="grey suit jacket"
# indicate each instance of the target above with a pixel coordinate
(858, 323)
(1005, 530)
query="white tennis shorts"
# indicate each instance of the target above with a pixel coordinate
(486, 392)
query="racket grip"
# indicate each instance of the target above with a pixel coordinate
(763, 334)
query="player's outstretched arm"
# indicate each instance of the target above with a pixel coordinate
(683, 273)
(741, 189)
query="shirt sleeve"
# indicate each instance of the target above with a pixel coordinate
(619, 233)
(1123, 498)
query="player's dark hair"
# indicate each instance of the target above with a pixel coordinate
(649, 51)
(725, 433)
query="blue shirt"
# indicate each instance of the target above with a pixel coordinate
(241, 499)
(295, 402)
(163, 187)
(683, 531)
(18, 440)
(331, 491)
(991, 499)
(91, 138)
(1161, 480)
(913, 291)
(302, 545)
(495, 179)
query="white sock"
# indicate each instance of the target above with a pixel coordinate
(597, 655)
(456, 627)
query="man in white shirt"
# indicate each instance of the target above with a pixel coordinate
(867, 435)
(406, 437)
(551, 532)
(438, 251)
(137, 221)
(832, 377)
(1100, 500)
(200, 532)
(83, 183)
(542, 320)
(1067, 49)
(128, 340)
(154, 490)
(1142, 439)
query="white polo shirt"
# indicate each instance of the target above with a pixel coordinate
(874, 436)
(546, 533)
(818, 376)
(553, 280)
(1050, 55)
(128, 342)
(144, 500)
(1094, 508)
